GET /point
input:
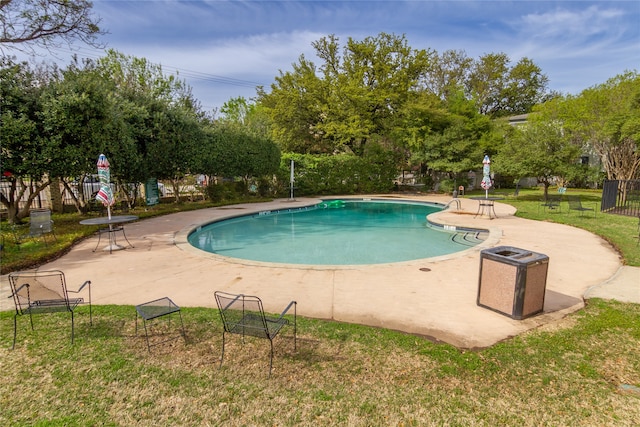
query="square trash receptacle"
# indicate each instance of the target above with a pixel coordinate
(512, 281)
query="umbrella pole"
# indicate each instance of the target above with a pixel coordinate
(112, 241)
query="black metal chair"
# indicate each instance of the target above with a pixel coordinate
(244, 315)
(553, 203)
(36, 292)
(576, 205)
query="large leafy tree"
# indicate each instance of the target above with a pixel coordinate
(500, 89)
(246, 115)
(368, 82)
(541, 149)
(26, 24)
(350, 98)
(295, 107)
(606, 119)
(448, 73)
(80, 121)
(25, 162)
(162, 121)
(456, 139)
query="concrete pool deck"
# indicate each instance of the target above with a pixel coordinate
(433, 297)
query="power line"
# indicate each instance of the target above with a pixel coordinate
(192, 74)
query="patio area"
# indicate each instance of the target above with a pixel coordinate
(433, 297)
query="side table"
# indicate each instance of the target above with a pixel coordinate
(155, 309)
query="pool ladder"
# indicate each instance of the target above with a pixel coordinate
(456, 201)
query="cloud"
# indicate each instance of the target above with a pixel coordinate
(564, 23)
(213, 43)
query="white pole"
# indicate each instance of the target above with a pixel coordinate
(291, 179)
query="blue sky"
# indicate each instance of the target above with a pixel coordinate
(224, 48)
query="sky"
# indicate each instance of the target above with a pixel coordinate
(224, 49)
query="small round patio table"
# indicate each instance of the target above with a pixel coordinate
(486, 206)
(115, 225)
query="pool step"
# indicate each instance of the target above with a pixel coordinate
(469, 238)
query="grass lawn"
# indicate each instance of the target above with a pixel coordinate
(583, 370)
(569, 373)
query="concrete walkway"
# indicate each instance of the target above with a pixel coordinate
(433, 297)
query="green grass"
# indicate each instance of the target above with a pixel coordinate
(567, 374)
(619, 230)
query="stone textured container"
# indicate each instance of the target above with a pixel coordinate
(512, 281)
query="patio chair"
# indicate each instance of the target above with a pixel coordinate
(41, 224)
(37, 292)
(552, 203)
(576, 205)
(244, 315)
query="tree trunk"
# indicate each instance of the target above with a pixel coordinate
(56, 196)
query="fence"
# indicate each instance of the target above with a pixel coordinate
(621, 197)
(43, 198)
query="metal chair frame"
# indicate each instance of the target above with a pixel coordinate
(244, 315)
(36, 292)
(576, 205)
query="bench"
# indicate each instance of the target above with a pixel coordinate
(37, 292)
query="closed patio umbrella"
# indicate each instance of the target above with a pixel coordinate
(105, 195)
(486, 175)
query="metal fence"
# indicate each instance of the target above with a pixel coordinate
(621, 197)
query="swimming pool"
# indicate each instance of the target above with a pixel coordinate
(335, 232)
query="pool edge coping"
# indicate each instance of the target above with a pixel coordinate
(181, 241)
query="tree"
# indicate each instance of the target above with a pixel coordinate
(229, 151)
(24, 160)
(163, 123)
(352, 97)
(367, 85)
(448, 73)
(295, 106)
(46, 23)
(450, 138)
(539, 148)
(500, 90)
(606, 119)
(250, 117)
(79, 118)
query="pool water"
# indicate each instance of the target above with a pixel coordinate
(333, 233)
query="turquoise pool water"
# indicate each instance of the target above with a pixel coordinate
(351, 232)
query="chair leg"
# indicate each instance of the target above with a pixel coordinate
(222, 356)
(271, 358)
(72, 327)
(295, 327)
(15, 329)
(184, 334)
(146, 334)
